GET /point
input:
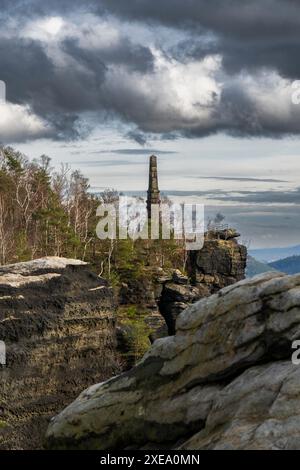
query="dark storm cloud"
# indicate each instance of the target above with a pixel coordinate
(282, 55)
(279, 53)
(133, 56)
(233, 18)
(25, 68)
(61, 94)
(58, 94)
(35, 8)
(247, 18)
(248, 33)
(31, 80)
(250, 36)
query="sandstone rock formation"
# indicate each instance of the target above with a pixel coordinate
(175, 295)
(258, 410)
(224, 380)
(221, 262)
(57, 320)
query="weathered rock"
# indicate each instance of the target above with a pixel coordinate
(179, 278)
(258, 410)
(223, 234)
(202, 388)
(58, 322)
(175, 298)
(219, 263)
(138, 291)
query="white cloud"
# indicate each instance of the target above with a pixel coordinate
(191, 95)
(173, 96)
(44, 29)
(18, 123)
(198, 94)
(90, 32)
(268, 100)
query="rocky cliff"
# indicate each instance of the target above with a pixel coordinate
(221, 262)
(225, 380)
(57, 320)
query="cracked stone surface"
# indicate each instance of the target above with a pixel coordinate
(225, 380)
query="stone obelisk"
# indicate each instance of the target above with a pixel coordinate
(153, 194)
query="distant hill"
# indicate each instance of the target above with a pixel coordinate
(256, 267)
(290, 265)
(269, 255)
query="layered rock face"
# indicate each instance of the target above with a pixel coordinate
(220, 263)
(58, 323)
(225, 380)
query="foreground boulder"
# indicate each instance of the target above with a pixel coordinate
(225, 380)
(258, 410)
(57, 319)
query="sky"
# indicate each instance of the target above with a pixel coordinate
(206, 86)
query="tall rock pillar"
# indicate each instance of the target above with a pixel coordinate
(153, 194)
